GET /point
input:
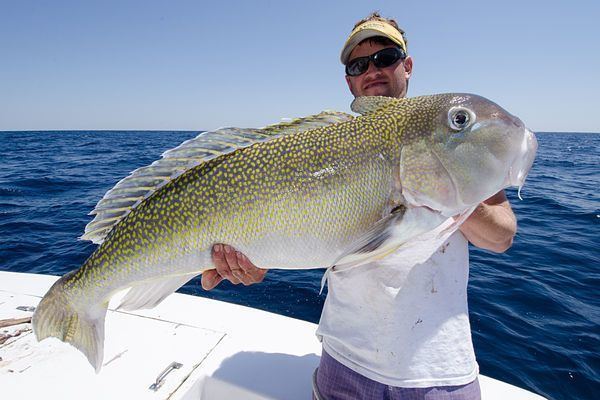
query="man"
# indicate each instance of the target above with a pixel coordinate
(390, 330)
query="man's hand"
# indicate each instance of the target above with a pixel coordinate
(492, 226)
(233, 266)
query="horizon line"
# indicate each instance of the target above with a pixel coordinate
(198, 130)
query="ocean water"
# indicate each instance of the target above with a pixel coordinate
(535, 310)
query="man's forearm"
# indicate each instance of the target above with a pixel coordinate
(492, 226)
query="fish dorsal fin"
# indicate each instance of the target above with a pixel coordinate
(369, 104)
(143, 182)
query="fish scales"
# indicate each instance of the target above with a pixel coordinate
(211, 195)
(343, 193)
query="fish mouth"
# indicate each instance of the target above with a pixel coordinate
(523, 161)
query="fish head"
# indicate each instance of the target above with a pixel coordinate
(472, 149)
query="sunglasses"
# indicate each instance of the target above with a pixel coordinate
(381, 59)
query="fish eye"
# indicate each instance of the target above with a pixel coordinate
(459, 118)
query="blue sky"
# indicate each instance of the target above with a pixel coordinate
(195, 65)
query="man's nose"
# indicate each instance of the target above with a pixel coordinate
(371, 68)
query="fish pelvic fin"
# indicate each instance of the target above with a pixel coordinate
(55, 316)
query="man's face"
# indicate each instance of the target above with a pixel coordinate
(390, 81)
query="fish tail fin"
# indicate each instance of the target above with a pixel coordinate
(56, 316)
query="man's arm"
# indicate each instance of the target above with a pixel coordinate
(493, 225)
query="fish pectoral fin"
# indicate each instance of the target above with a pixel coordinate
(149, 294)
(389, 234)
(372, 244)
(369, 104)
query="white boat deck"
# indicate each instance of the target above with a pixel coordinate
(225, 351)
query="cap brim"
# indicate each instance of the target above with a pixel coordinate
(358, 35)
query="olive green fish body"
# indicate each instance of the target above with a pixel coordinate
(294, 202)
(337, 194)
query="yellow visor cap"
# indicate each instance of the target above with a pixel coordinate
(367, 30)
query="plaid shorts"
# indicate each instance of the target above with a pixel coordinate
(334, 381)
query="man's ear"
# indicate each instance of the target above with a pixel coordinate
(349, 82)
(408, 66)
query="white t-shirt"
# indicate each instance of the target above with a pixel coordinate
(403, 324)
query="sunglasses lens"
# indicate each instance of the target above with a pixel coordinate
(357, 66)
(387, 57)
